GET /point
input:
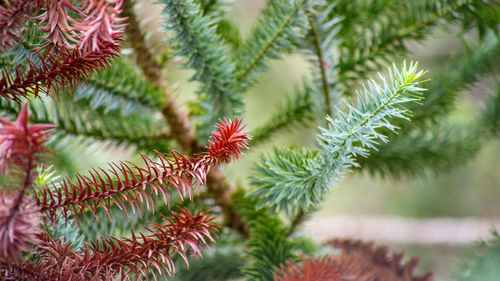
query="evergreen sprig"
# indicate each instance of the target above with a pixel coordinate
(269, 247)
(120, 87)
(290, 181)
(277, 28)
(194, 38)
(491, 113)
(368, 46)
(461, 72)
(440, 147)
(141, 128)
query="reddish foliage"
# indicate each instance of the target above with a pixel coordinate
(388, 267)
(358, 261)
(126, 184)
(112, 258)
(55, 22)
(95, 27)
(64, 69)
(13, 16)
(19, 142)
(227, 141)
(327, 268)
(74, 48)
(18, 228)
(100, 25)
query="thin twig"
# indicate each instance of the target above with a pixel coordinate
(321, 63)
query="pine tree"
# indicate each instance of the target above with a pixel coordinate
(79, 73)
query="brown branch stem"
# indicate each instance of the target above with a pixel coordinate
(179, 122)
(26, 184)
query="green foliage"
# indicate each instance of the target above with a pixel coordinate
(293, 180)
(274, 33)
(269, 247)
(344, 41)
(483, 266)
(321, 42)
(120, 87)
(377, 36)
(77, 119)
(62, 228)
(195, 39)
(491, 113)
(440, 148)
(220, 263)
(216, 9)
(460, 72)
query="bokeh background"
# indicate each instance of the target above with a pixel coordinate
(451, 209)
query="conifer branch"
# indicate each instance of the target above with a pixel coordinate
(13, 17)
(491, 113)
(122, 82)
(20, 148)
(461, 72)
(301, 178)
(177, 119)
(269, 247)
(438, 148)
(65, 68)
(126, 184)
(376, 44)
(140, 129)
(139, 256)
(273, 33)
(482, 264)
(357, 261)
(195, 39)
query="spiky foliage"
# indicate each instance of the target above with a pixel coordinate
(78, 120)
(491, 114)
(19, 226)
(66, 48)
(460, 72)
(374, 38)
(138, 255)
(13, 17)
(439, 148)
(274, 33)
(120, 87)
(300, 179)
(220, 263)
(268, 248)
(357, 261)
(378, 259)
(321, 42)
(196, 40)
(20, 143)
(73, 48)
(127, 184)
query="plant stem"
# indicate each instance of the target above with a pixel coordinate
(179, 122)
(319, 53)
(19, 199)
